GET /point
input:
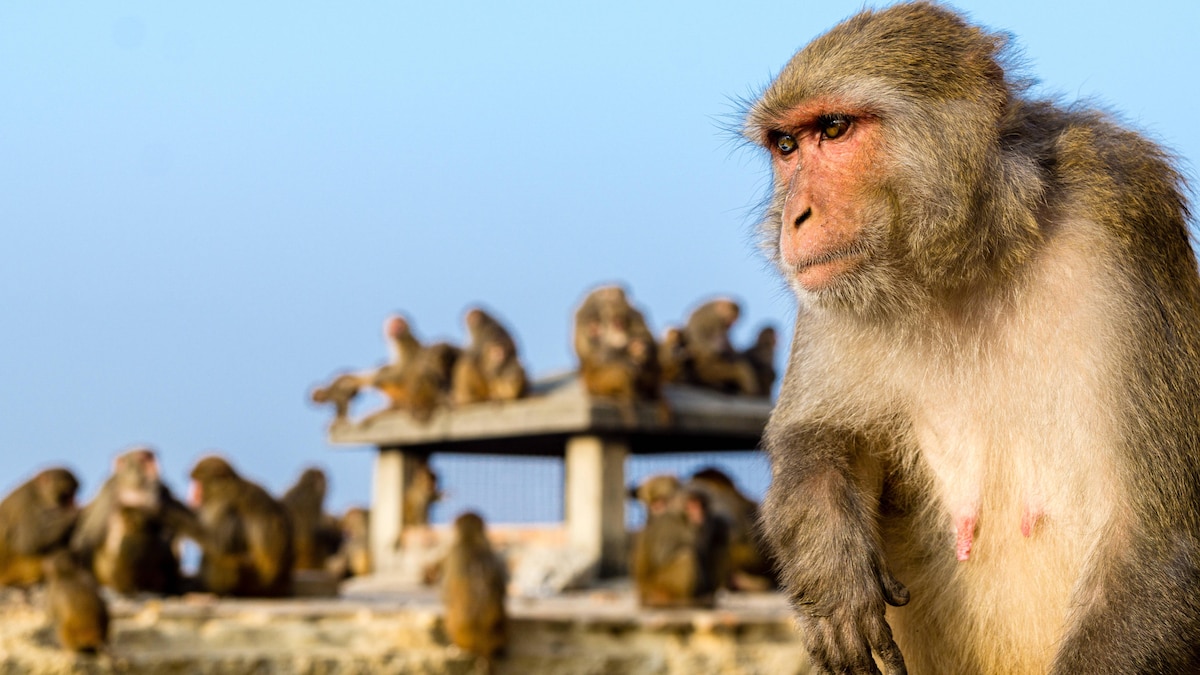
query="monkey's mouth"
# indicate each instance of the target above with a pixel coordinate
(815, 271)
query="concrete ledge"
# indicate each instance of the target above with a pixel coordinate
(377, 631)
(557, 408)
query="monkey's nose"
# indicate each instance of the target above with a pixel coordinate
(802, 217)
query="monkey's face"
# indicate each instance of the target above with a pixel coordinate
(825, 157)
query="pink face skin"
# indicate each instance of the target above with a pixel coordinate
(824, 177)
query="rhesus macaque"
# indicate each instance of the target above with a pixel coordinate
(341, 392)
(420, 493)
(989, 416)
(673, 357)
(761, 356)
(314, 538)
(248, 548)
(403, 347)
(35, 519)
(353, 559)
(473, 590)
(127, 535)
(428, 381)
(715, 363)
(489, 368)
(74, 605)
(749, 565)
(681, 556)
(618, 356)
(135, 555)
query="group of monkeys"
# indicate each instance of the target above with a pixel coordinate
(619, 358)
(127, 538)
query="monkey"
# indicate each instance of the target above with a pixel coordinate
(428, 382)
(714, 361)
(761, 356)
(618, 356)
(403, 348)
(419, 495)
(353, 558)
(984, 453)
(473, 591)
(749, 565)
(681, 556)
(135, 555)
(248, 549)
(314, 539)
(673, 357)
(341, 392)
(489, 369)
(127, 535)
(36, 519)
(74, 605)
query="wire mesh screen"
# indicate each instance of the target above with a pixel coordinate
(501, 488)
(505, 489)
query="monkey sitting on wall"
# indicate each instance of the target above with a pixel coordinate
(681, 556)
(74, 605)
(713, 361)
(985, 453)
(248, 546)
(618, 356)
(473, 590)
(489, 369)
(36, 519)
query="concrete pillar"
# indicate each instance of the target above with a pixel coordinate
(387, 502)
(594, 498)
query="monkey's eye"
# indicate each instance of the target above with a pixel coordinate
(833, 126)
(785, 143)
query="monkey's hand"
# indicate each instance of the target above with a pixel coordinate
(820, 518)
(842, 633)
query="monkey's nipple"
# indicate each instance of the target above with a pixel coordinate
(965, 536)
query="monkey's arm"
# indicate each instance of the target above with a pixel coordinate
(820, 518)
(52, 528)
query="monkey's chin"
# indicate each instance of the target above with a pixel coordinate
(824, 275)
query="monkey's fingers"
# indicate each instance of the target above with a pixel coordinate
(879, 634)
(894, 592)
(836, 646)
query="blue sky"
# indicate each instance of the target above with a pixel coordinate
(209, 208)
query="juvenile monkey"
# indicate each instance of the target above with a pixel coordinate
(312, 540)
(35, 520)
(340, 393)
(420, 494)
(74, 605)
(761, 356)
(680, 558)
(489, 368)
(473, 590)
(353, 558)
(989, 415)
(673, 357)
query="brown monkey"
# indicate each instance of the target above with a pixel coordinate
(428, 381)
(761, 356)
(135, 505)
(74, 605)
(353, 558)
(749, 565)
(618, 357)
(341, 392)
(994, 382)
(248, 548)
(136, 555)
(313, 539)
(715, 363)
(489, 368)
(473, 590)
(419, 495)
(403, 347)
(35, 519)
(681, 556)
(673, 357)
